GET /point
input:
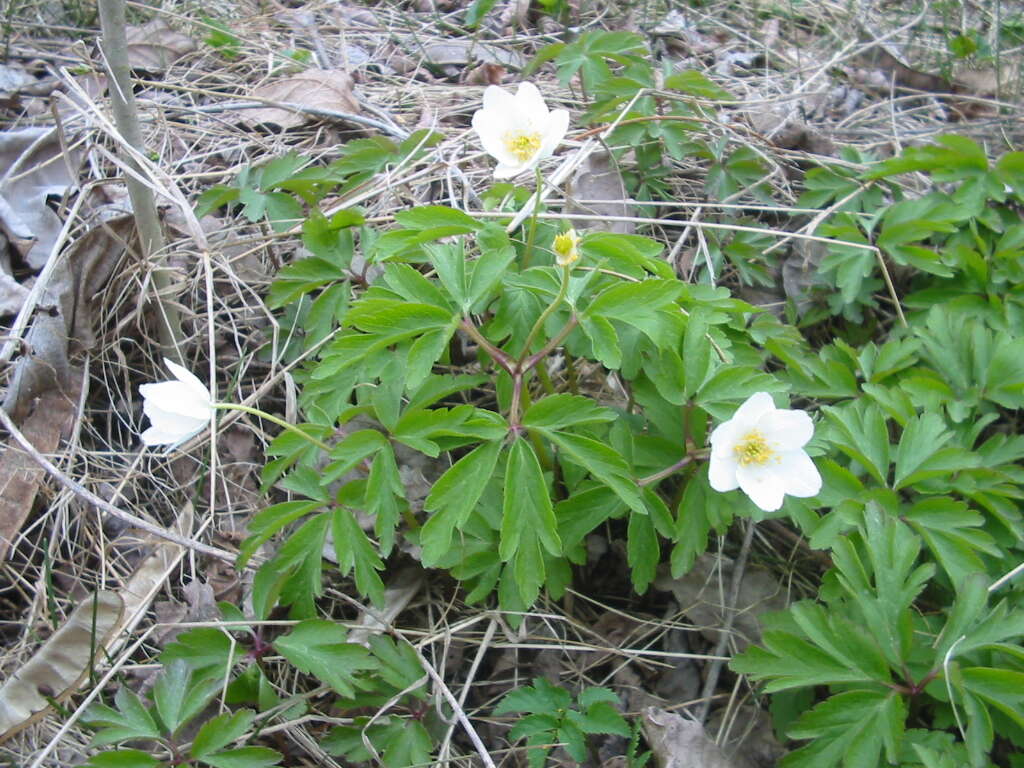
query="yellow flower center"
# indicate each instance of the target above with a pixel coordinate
(753, 449)
(523, 145)
(566, 247)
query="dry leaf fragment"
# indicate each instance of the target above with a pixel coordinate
(456, 52)
(20, 475)
(329, 89)
(32, 158)
(680, 743)
(700, 593)
(12, 294)
(155, 46)
(57, 669)
(13, 77)
(597, 189)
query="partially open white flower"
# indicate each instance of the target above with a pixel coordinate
(760, 450)
(518, 131)
(567, 248)
(178, 409)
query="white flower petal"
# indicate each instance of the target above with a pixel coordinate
(786, 430)
(529, 100)
(756, 406)
(175, 397)
(491, 128)
(801, 478)
(499, 100)
(722, 473)
(725, 436)
(189, 379)
(502, 171)
(554, 132)
(763, 484)
(156, 436)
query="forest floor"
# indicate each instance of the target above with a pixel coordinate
(236, 84)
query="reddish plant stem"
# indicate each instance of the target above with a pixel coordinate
(691, 454)
(506, 362)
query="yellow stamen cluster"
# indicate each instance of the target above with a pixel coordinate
(753, 449)
(523, 145)
(566, 248)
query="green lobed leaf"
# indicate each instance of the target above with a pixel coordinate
(202, 647)
(453, 497)
(355, 552)
(244, 757)
(952, 532)
(853, 729)
(130, 720)
(860, 432)
(564, 410)
(643, 551)
(123, 758)
(527, 514)
(541, 697)
(220, 731)
(319, 648)
(603, 463)
(181, 693)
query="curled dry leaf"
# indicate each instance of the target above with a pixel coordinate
(329, 89)
(155, 46)
(39, 172)
(57, 669)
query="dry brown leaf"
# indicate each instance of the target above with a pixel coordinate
(40, 172)
(403, 587)
(898, 72)
(12, 77)
(597, 189)
(12, 294)
(456, 52)
(20, 476)
(784, 127)
(155, 46)
(485, 74)
(747, 735)
(57, 669)
(316, 88)
(700, 594)
(150, 575)
(985, 84)
(67, 301)
(680, 743)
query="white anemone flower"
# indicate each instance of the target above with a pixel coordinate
(177, 409)
(518, 130)
(761, 451)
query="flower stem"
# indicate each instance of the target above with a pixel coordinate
(275, 420)
(545, 315)
(532, 360)
(532, 235)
